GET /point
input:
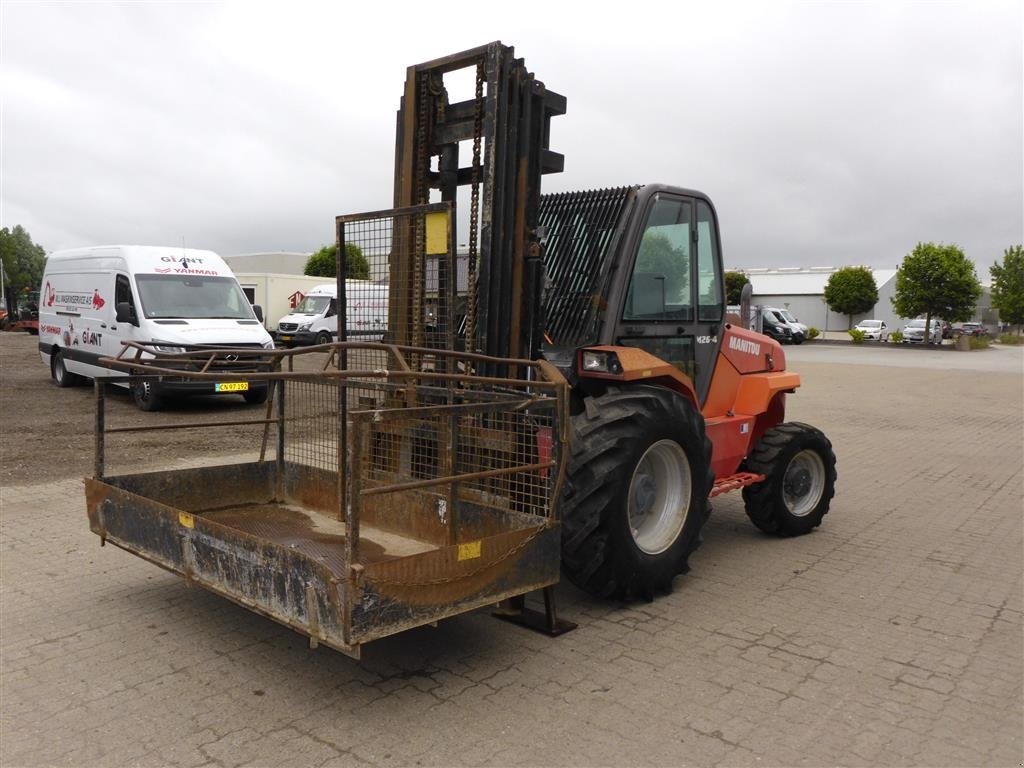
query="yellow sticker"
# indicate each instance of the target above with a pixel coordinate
(469, 551)
(437, 233)
(186, 519)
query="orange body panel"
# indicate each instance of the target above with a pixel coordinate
(746, 395)
(641, 366)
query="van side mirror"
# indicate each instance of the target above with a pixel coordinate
(126, 314)
(259, 312)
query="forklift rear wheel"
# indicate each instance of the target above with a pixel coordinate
(800, 470)
(62, 377)
(636, 496)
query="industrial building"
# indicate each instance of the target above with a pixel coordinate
(801, 290)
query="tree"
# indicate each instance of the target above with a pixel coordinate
(324, 263)
(851, 291)
(23, 262)
(936, 280)
(1008, 286)
(734, 282)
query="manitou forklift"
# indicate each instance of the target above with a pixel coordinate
(563, 395)
(622, 289)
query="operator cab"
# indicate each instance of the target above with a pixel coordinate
(647, 266)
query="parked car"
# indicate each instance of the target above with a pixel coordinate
(972, 329)
(913, 332)
(873, 330)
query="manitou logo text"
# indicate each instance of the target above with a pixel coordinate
(742, 345)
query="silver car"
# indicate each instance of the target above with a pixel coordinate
(913, 332)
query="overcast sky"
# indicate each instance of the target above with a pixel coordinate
(826, 133)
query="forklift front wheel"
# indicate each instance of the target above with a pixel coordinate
(636, 495)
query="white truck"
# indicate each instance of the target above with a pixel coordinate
(315, 319)
(93, 300)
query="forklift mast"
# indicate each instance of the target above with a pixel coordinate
(507, 123)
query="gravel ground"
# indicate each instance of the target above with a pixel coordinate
(38, 446)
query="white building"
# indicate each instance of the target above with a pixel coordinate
(275, 262)
(801, 290)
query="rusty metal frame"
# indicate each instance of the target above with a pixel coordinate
(369, 599)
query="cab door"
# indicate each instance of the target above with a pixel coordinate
(118, 332)
(673, 301)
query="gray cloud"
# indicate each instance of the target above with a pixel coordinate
(826, 133)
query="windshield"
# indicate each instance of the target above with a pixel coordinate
(192, 296)
(313, 305)
(786, 315)
(915, 324)
(871, 323)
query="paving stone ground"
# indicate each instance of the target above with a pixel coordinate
(891, 636)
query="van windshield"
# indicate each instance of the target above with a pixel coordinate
(313, 305)
(192, 296)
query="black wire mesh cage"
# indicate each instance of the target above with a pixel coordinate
(402, 281)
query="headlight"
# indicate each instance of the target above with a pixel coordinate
(596, 361)
(268, 344)
(304, 326)
(168, 349)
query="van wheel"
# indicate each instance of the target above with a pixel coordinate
(256, 396)
(145, 396)
(324, 338)
(62, 377)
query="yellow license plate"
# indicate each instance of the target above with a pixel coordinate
(285, 338)
(231, 386)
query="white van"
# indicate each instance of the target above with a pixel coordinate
(94, 299)
(315, 319)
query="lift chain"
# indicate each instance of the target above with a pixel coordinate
(422, 197)
(474, 209)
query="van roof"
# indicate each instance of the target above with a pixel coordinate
(129, 251)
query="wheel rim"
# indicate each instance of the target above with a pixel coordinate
(144, 391)
(59, 371)
(804, 483)
(659, 497)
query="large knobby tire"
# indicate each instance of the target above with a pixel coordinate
(145, 395)
(637, 492)
(800, 479)
(61, 376)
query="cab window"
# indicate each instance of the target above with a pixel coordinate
(659, 288)
(710, 294)
(123, 292)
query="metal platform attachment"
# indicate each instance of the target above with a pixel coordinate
(370, 498)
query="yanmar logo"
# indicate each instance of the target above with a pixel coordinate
(742, 345)
(186, 265)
